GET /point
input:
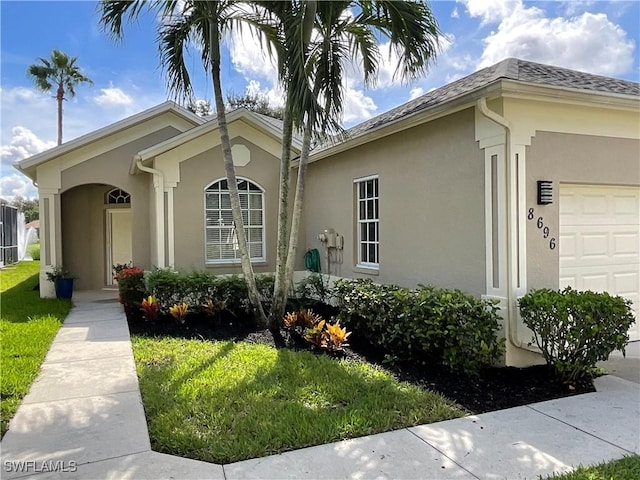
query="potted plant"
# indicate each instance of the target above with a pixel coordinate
(63, 281)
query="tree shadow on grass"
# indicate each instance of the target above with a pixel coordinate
(278, 400)
(21, 303)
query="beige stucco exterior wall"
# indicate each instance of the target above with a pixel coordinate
(431, 184)
(196, 173)
(83, 210)
(568, 158)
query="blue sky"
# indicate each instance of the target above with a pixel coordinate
(594, 36)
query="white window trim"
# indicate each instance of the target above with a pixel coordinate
(360, 265)
(236, 261)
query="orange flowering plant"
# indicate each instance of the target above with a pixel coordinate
(179, 312)
(150, 308)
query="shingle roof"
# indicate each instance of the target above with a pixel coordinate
(511, 69)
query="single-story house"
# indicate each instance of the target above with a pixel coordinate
(518, 176)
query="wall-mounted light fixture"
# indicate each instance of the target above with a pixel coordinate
(545, 192)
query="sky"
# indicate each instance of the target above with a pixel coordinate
(599, 37)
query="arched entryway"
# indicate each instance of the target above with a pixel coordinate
(96, 233)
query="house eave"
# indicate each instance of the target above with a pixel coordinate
(29, 166)
(502, 88)
(569, 96)
(428, 114)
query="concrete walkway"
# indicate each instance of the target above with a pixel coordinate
(83, 418)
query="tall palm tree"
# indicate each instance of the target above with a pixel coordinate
(61, 71)
(312, 41)
(203, 23)
(318, 43)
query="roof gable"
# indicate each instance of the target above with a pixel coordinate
(267, 125)
(29, 165)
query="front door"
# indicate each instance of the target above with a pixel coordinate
(118, 239)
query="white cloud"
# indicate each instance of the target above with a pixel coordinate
(249, 57)
(454, 13)
(25, 106)
(589, 42)
(416, 92)
(23, 144)
(113, 97)
(357, 106)
(17, 184)
(491, 11)
(274, 95)
(575, 6)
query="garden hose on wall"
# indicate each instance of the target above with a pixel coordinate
(312, 260)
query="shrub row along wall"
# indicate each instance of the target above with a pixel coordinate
(423, 324)
(196, 289)
(426, 324)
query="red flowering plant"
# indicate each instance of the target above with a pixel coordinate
(131, 288)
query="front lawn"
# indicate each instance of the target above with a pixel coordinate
(626, 468)
(224, 401)
(27, 327)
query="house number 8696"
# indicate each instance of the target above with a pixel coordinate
(545, 229)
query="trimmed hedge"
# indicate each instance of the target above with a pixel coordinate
(197, 288)
(424, 324)
(574, 329)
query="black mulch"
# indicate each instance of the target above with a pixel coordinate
(495, 388)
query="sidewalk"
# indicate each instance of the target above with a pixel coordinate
(84, 415)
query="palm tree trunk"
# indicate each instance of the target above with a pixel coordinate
(298, 203)
(287, 250)
(247, 268)
(281, 287)
(60, 98)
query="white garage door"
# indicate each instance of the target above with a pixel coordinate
(600, 241)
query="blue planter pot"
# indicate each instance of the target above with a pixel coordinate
(64, 288)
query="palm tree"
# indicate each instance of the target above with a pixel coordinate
(318, 41)
(59, 70)
(203, 23)
(312, 42)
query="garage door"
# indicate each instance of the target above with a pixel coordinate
(600, 241)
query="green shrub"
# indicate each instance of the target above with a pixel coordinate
(574, 330)
(265, 283)
(34, 251)
(314, 287)
(170, 288)
(427, 323)
(203, 289)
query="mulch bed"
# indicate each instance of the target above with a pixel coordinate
(495, 388)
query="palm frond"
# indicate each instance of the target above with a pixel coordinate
(173, 40)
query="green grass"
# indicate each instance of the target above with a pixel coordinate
(627, 468)
(27, 327)
(224, 401)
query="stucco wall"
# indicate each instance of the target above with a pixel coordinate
(431, 184)
(82, 209)
(569, 158)
(196, 174)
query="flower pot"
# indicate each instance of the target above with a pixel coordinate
(64, 288)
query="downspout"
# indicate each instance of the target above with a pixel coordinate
(158, 185)
(512, 313)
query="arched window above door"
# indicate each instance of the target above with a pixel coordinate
(117, 196)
